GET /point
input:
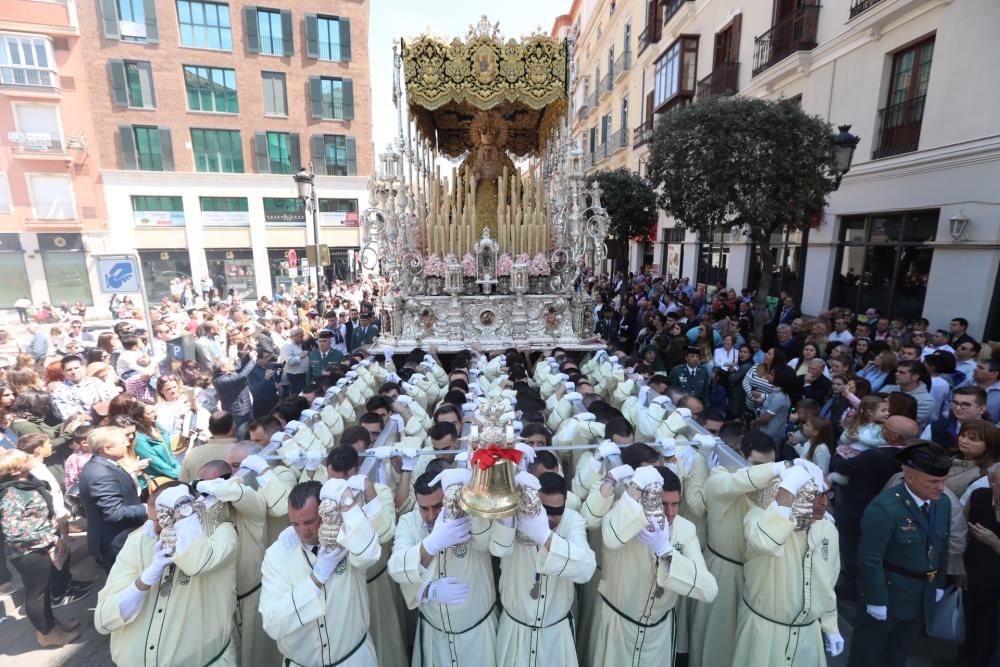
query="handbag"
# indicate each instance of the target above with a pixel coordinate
(948, 619)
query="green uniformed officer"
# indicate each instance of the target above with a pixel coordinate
(323, 356)
(903, 558)
(691, 377)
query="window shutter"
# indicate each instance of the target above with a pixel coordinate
(352, 157)
(152, 31)
(260, 150)
(316, 96)
(286, 31)
(166, 149)
(147, 77)
(312, 36)
(109, 19)
(319, 153)
(250, 29)
(119, 86)
(294, 152)
(345, 39)
(127, 140)
(348, 91)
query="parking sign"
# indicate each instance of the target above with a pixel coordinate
(118, 274)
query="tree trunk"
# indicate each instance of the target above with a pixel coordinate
(763, 288)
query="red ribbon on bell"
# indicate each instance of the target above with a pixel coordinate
(488, 457)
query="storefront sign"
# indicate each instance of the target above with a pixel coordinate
(341, 218)
(159, 218)
(225, 218)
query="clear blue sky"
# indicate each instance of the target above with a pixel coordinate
(393, 19)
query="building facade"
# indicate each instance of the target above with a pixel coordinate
(914, 223)
(50, 170)
(204, 110)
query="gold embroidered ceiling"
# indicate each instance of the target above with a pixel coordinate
(447, 84)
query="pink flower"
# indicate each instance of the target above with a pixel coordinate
(504, 265)
(539, 265)
(434, 267)
(469, 265)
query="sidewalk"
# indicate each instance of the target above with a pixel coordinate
(18, 647)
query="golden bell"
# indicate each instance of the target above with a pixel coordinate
(492, 493)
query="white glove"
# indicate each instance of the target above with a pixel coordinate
(668, 446)
(661, 400)
(938, 594)
(333, 489)
(569, 386)
(607, 450)
(462, 458)
(563, 377)
(834, 644)
(357, 483)
(534, 527)
(446, 590)
(683, 412)
(622, 473)
(586, 417)
(383, 452)
(452, 476)
(573, 396)
(879, 613)
(527, 450)
(794, 478)
(350, 375)
(155, 569)
(601, 355)
(226, 490)
(656, 539)
(643, 393)
(647, 475)
(704, 440)
(447, 534)
(365, 363)
(403, 398)
(428, 359)
(296, 459)
(527, 479)
(292, 426)
(326, 562)
(398, 420)
(170, 497)
(387, 352)
(778, 467)
(188, 530)
(468, 408)
(392, 377)
(314, 459)
(409, 458)
(256, 463)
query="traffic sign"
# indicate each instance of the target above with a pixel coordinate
(118, 274)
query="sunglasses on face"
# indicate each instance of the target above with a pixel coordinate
(554, 511)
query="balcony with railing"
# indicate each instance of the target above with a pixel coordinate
(618, 141)
(861, 6)
(671, 7)
(607, 84)
(642, 134)
(622, 65)
(723, 80)
(899, 128)
(37, 146)
(795, 32)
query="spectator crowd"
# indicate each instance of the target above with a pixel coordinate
(206, 457)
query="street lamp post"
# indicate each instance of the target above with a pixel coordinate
(844, 145)
(305, 181)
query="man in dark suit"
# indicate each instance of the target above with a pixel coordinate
(788, 311)
(859, 479)
(903, 558)
(110, 496)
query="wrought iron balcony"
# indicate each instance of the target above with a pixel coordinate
(861, 6)
(642, 41)
(899, 128)
(607, 84)
(622, 65)
(618, 141)
(795, 32)
(723, 80)
(642, 134)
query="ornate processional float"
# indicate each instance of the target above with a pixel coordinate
(489, 252)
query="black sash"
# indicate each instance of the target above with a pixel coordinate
(632, 620)
(771, 620)
(289, 662)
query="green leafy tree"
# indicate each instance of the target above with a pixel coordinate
(757, 165)
(631, 204)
